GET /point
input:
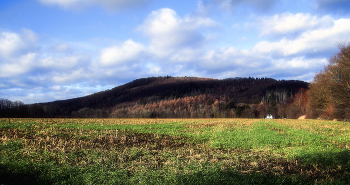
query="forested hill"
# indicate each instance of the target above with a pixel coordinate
(171, 97)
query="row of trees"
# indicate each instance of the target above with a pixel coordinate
(8, 104)
(208, 106)
(18, 109)
(200, 106)
(171, 97)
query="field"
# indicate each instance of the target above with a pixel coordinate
(174, 151)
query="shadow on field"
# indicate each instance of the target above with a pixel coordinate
(327, 159)
(8, 177)
(234, 177)
(331, 168)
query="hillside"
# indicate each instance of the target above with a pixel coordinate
(171, 97)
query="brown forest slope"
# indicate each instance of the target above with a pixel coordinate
(174, 97)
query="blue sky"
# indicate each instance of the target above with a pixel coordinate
(60, 49)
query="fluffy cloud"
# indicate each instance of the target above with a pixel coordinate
(55, 92)
(231, 62)
(296, 57)
(70, 77)
(112, 5)
(129, 51)
(299, 63)
(24, 61)
(288, 23)
(229, 58)
(311, 41)
(63, 63)
(186, 55)
(22, 65)
(13, 44)
(168, 32)
(17, 52)
(61, 48)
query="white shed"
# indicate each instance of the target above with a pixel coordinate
(269, 116)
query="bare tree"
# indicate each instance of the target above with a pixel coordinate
(329, 94)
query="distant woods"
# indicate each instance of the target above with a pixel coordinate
(18, 109)
(178, 97)
(10, 109)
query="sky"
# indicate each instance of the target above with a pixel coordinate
(61, 49)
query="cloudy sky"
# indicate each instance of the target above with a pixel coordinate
(59, 49)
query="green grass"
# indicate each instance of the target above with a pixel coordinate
(174, 151)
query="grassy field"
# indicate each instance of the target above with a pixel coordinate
(174, 151)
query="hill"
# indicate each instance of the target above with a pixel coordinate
(173, 97)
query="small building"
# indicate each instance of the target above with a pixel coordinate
(269, 116)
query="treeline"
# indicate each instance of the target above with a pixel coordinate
(207, 106)
(18, 109)
(228, 98)
(174, 97)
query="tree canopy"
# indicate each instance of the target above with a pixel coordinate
(329, 93)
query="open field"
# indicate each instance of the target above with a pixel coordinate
(174, 151)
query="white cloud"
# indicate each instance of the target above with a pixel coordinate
(62, 63)
(280, 68)
(288, 23)
(168, 32)
(56, 88)
(186, 55)
(201, 8)
(153, 69)
(46, 94)
(61, 48)
(9, 43)
(129, 51)
(19, 66)
(228, 58)
(112, 5)
(287, 58)
(13, 44)
(70, 77)
(299, 63)
(311, 41)
(22, 58)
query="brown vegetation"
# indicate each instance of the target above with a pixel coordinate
(329, 94)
